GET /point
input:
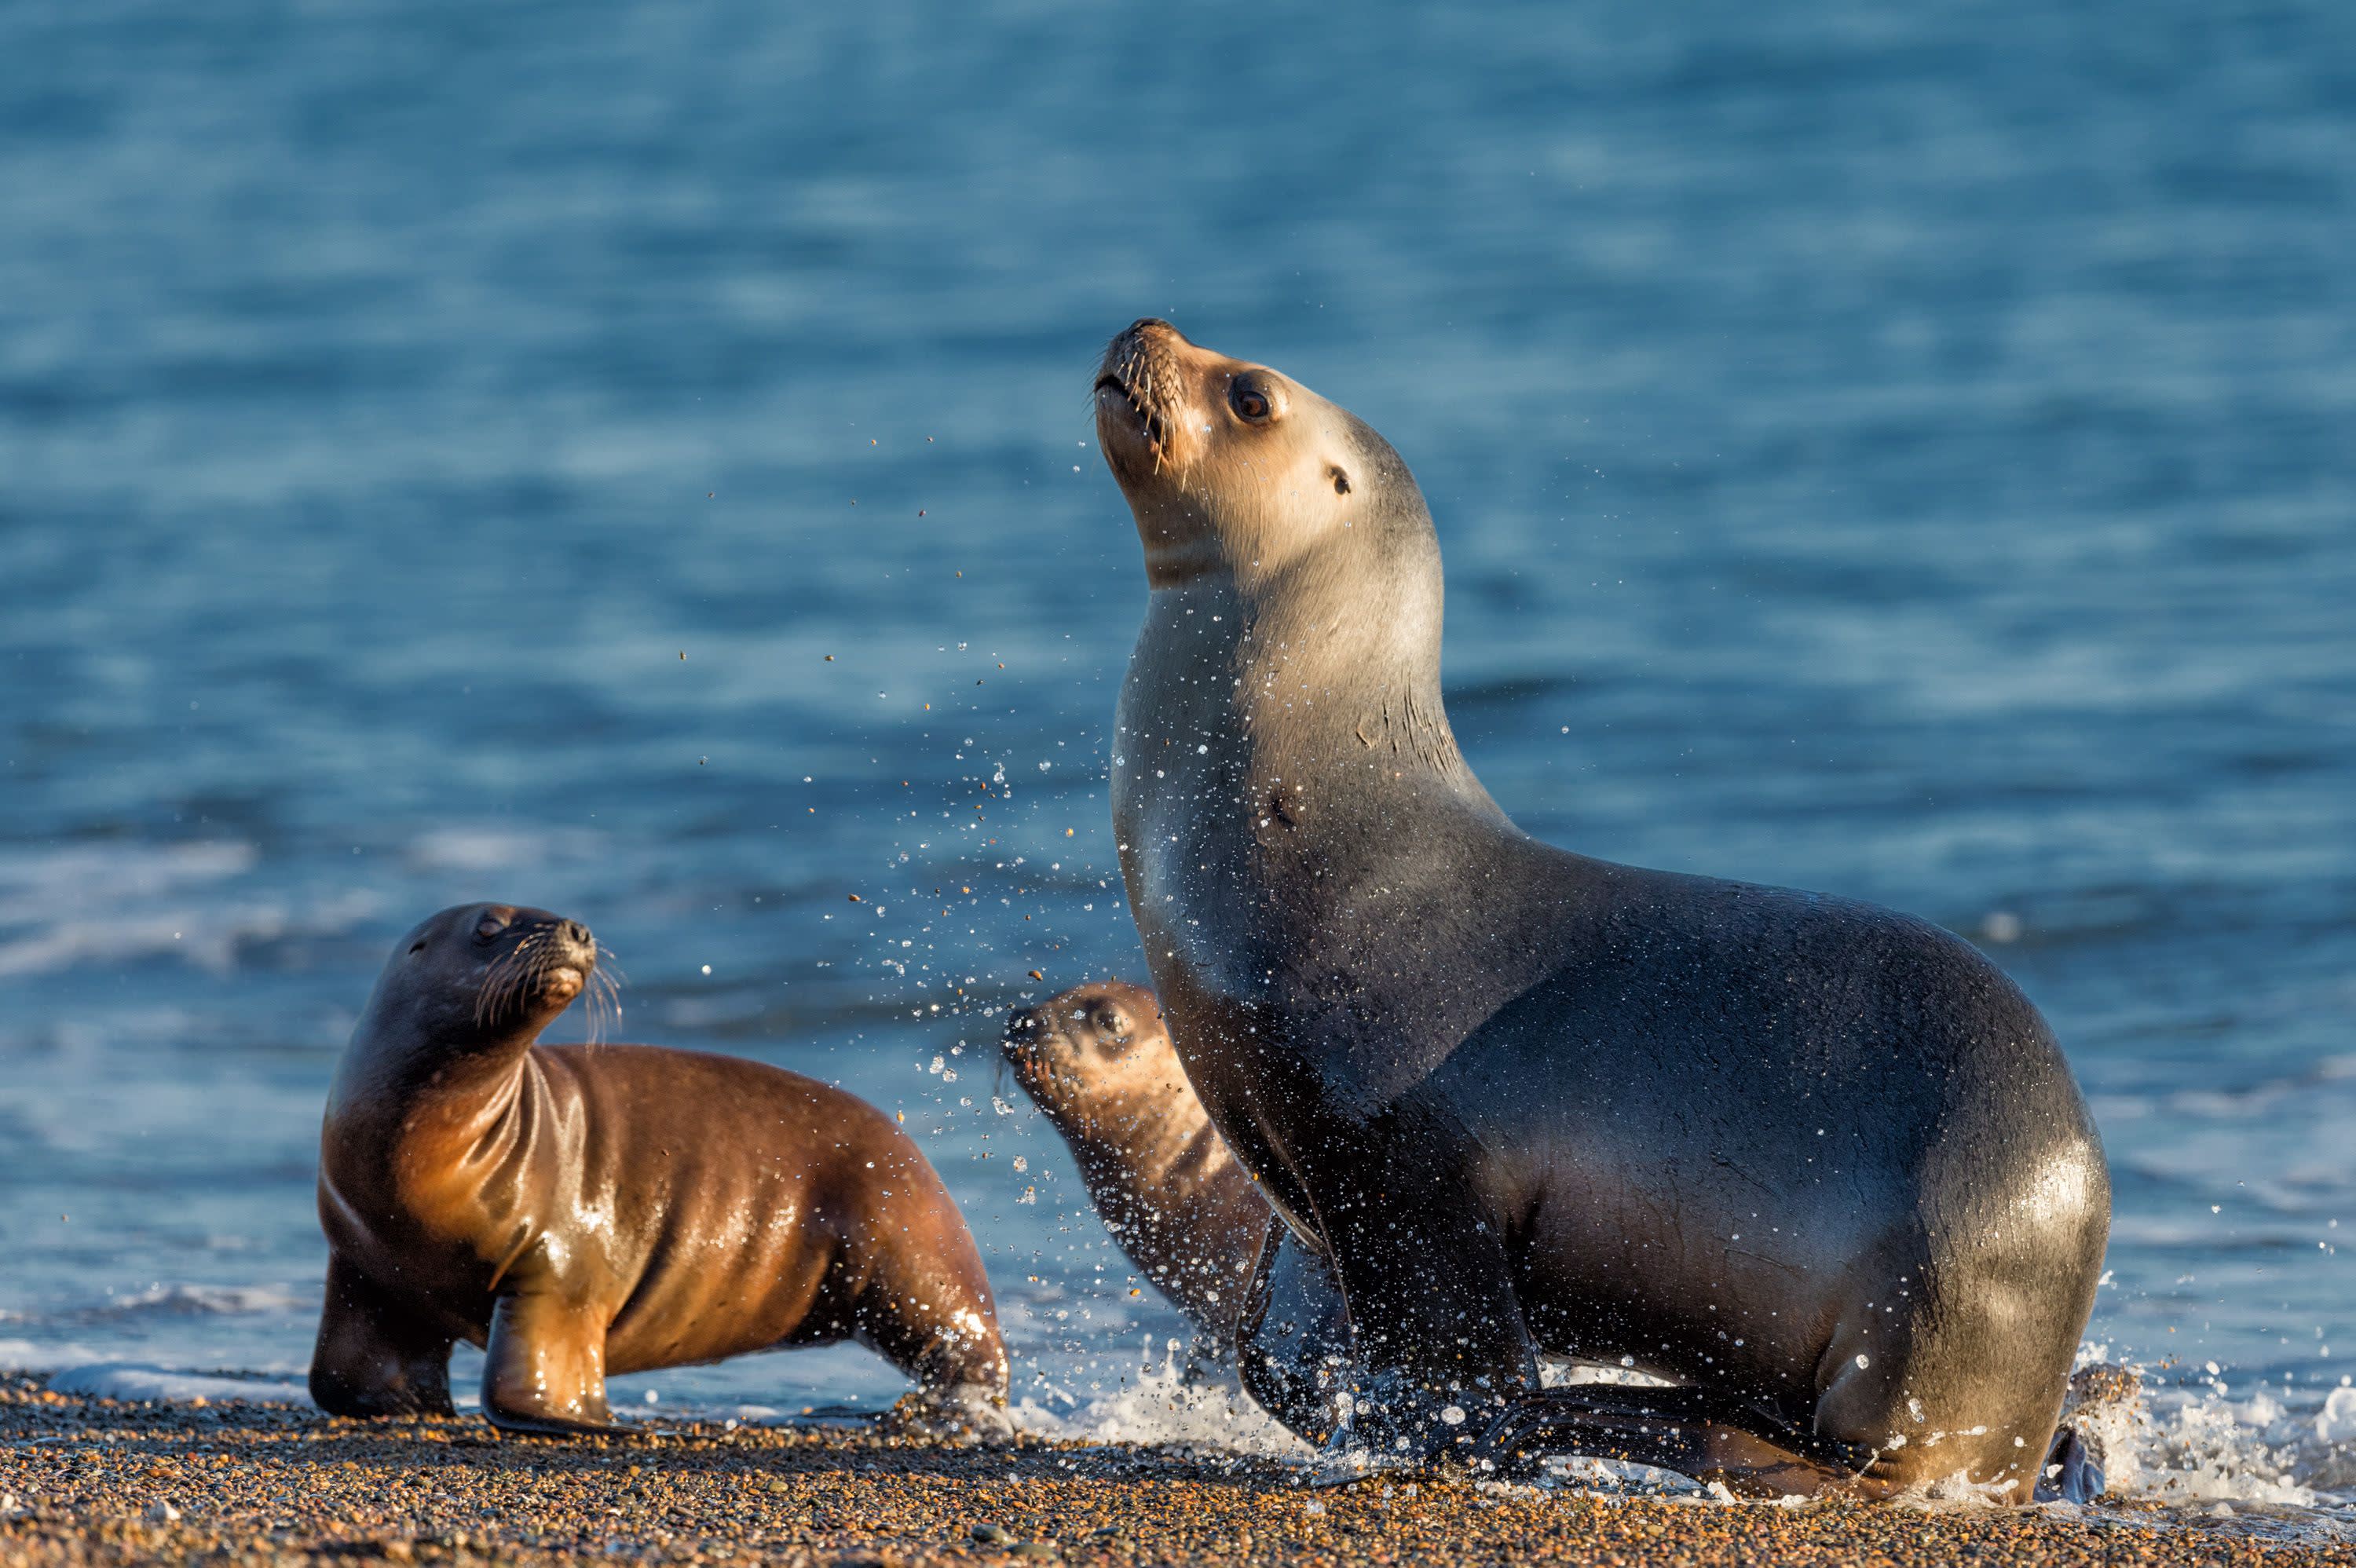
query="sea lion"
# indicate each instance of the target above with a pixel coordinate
(582, 1210)
(1098, 1060)
(1820, 1162)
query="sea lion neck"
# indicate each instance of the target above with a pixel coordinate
(1258, 675)
(418, 1039)
(423, 1041)
(406, 1050)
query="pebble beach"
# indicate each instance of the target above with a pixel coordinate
(104, 1481)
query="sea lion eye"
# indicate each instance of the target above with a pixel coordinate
(1112, 1025)
(1341, 482)
(417, 948)
(1250, 400)
(490, 925)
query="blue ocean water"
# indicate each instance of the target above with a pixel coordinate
(636, 459)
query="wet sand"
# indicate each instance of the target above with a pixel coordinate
(92, 1481)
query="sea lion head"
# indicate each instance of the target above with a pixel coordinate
(479, 975)
(1094, 1058)
(1233, 466)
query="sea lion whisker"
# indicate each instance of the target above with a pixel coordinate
(492, 1003)
(486, 994)
(509, 974)
(483, 992)
(604, 1001)
(527, 973)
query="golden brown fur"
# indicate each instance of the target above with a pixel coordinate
(1098, 1060)
(580, 1210)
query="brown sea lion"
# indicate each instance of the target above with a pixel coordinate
(1097, 1059)
(1098, 1062)
(583, 1209)
(1819, 1162)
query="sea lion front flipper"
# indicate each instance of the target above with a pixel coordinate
(374, 1356)
(922, 1300)
(1292, 1338)
(544, 1365)
(1440, 1345)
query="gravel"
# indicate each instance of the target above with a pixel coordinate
(98, 1481)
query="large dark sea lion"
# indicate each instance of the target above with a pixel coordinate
(585, 1210)
(1820, 1162)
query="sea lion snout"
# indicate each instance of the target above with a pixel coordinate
(1020, 1034)
(1132, 342)
(1028, 1044)
(1022, 1025)
(574, 940)
(1145, 397)
(1047, 1048)
(1144, 363)
(567, 957)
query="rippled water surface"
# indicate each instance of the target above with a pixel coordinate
(636, 460)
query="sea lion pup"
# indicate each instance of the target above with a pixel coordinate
(581, 1210)
(1097, 1059)
(1819, 1162)
(1098, 1062)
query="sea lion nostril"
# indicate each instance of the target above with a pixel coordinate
(578, 934)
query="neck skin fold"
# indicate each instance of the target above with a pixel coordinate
(458, 1099)
(1245, 679)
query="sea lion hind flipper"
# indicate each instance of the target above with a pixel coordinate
(376, 1356)
(1696, 1432)
(925, 1304)
(544, 1367)
(2070, 1473)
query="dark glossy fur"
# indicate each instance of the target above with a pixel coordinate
(1818, 1158)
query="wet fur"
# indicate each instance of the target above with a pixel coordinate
(1520, 1097)
(583, 1209)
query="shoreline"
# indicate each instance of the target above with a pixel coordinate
(103, 1481)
